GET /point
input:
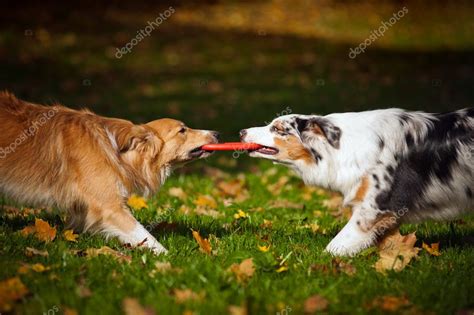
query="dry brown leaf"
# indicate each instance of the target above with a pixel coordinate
(344, 267)
(105, 250)
(182, 296)
(70, 236)
(267, 224)
(276, 188)
(177, 192)
(206, 201)
(396, 251)
(30, 251)
(315, 303)
(243, 271)
(131, 306)
(389, 303)
(208, 212)
(286, 204)
(235, 189)
(11, 290)
(204, 244)
(432, 249)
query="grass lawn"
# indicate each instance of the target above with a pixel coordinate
(226, 74)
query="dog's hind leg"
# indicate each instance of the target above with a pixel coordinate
(362, 231)
(117, 221)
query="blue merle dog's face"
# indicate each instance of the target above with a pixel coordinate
(289, 139)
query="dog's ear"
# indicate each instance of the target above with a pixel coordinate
(319, 126)
(127, 137)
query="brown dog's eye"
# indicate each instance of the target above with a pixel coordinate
(182, 130)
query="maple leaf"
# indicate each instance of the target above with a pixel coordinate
(105, 250)
(136, 202)
(234, 188)
(206, 201)
(185, 295)
(315, 303)
(432, 249)
(30, 251)
(70, 236)
(177, 192)
(243, 271)
(131, 306)
(41, 230)
(204, 244)
(396, 251)
(11, 290)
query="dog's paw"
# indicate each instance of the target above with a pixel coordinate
(157, 248)
(349, 242)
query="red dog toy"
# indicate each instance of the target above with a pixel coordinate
(231, 146)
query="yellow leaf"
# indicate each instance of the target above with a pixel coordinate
(70, 236)
(105, 250)
(396, 251)
(243, 271)
(282, 269)
(432, 249)
(38, 268)
(136, 202)
(263, 248)
(204, 244)
(240, 214)
(206, 201)
(11, 290)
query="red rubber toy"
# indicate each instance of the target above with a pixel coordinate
(231, 146)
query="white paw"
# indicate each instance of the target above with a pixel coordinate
(350, 241)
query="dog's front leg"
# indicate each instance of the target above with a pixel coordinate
(362, 231)
(120, 223)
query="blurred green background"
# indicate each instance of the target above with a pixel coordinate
(227, 65)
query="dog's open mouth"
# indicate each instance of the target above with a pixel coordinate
(266, 150)
(197, 152)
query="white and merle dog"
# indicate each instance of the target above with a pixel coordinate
(392, 166)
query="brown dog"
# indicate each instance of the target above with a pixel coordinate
(89, 165)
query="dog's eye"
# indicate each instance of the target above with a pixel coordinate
(182, 130)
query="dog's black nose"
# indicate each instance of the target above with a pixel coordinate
(216, 135)
(243, 133)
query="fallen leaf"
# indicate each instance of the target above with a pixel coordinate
(240, 214)
(11, 290)
(38, 268)
(69, 311)
(282, 269)
(131, 306)
(206, 201)
(267, 224)
(389, 303)
(264, 248)
(70, 236)
(30, 251)
(204, 244)
(315, 303)
(243, 271)
(163, 267)
(237, 310)
(234, 188)
(396, 251)
(177, 192)
(105, 250)
(41, 230)
(136, 202)
(313, 226)
(208, 212)
(432, 249)
(286, 204)
(342, 266)
(335, 202)
(276, 188)
(182, 296)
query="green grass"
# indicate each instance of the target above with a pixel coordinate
(438, 284)
(227, 79)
